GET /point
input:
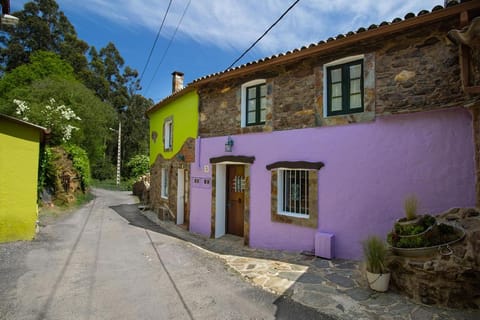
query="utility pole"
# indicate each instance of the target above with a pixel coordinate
(119, 153)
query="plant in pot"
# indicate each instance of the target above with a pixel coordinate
(375, 253)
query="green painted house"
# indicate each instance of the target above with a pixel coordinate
(173, 129)
(19, 157)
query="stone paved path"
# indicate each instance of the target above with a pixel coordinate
(335, 287)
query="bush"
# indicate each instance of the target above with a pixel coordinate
(138, 165)
(81, 163)
(103, 170)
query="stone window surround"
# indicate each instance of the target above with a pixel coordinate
(369, 92)
(313, 167)
(243, 105)
(170, 134)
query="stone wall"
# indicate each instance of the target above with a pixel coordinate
(413, 71)
(181, 160)
(450, 280)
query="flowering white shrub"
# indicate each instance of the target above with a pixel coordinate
(22, 109)
(57, 118)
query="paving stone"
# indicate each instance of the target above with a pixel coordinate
(358, 294)
(381, 299)
(293, 276)
(311, 278)
(402, 308)
(321, 263)
(350, 265)
(422, 314)
(340, 280)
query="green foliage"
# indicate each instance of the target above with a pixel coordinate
(375, 252)
(42, 65)
(81, 163)
(103, 170)
(138, 165)
(46, 176)
(410, 205)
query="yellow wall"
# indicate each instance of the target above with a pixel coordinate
(19, 154)
(185, 124)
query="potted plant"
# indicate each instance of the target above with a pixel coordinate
(375, 253)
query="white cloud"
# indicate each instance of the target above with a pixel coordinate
(234, 23)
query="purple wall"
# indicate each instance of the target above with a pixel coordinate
(369, 169)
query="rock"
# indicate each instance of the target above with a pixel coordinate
(445, 279)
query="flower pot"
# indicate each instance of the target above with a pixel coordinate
(378, 281)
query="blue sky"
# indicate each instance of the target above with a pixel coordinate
(214, 33)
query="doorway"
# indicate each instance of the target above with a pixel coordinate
(180, 196)
(235, 204)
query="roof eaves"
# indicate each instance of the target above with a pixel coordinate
(43, 131)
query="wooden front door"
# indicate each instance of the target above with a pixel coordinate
(235, 199)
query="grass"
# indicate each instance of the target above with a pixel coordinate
(410, 205)
(111, 184)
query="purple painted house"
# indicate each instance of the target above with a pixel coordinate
(317, 148)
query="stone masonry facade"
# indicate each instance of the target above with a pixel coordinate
(166, 208)
(412, 71)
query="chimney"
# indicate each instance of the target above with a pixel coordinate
(177, 81)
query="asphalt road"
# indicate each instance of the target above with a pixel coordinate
(105, 261)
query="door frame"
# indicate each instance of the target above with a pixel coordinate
(180, 196)
(219, 200)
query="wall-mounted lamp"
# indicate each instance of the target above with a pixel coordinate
(229, 144)
(180, 157)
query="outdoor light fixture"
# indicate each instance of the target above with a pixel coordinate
(9, 20)
(229, 144)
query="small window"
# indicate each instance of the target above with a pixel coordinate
(345, 88)
(293, 193)
(164, 191)
(254, 103)
(168, 134)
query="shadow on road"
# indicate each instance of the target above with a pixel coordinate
(131, 213)
(286, 307)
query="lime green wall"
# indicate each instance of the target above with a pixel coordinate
(185, 124)
(19, 152)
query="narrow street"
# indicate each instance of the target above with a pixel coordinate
(96, 264)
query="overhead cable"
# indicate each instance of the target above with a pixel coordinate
(263, 35)
(155, 42)
(168, 46)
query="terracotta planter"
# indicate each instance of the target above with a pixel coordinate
(378, 281)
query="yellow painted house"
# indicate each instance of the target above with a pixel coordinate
(19, 159)
(173, 129)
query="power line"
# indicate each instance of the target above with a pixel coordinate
(155, 42)
(263, 35)
(168, 46)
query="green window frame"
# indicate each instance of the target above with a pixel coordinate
(256, 104)
(345, 88)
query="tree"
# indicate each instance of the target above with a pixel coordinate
(42, 26)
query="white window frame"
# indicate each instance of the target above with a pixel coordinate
(164, 186)
(325, 84)
(281, 196)
(244, 98)
(168, 134)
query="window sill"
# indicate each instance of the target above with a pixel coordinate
(294, 215)
(339, 119)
